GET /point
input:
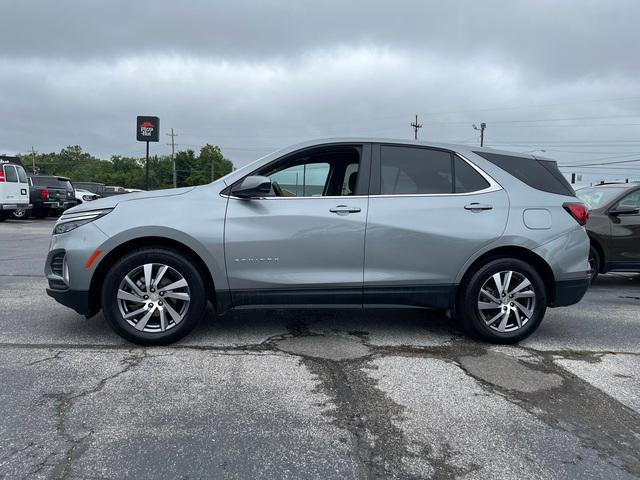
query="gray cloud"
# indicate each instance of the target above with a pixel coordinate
(256, 75)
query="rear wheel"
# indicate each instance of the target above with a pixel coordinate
(41, 213)
(20, 214)
(153, 296)
(503, 301)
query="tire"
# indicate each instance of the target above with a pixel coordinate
(168, 319)
(41, 213)
(477, 314)
(594, 263)
(20, 214)
(3, 216)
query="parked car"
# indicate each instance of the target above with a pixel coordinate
(101, 189)
(613, 227)
(85, 196)
(50, 194)
(492, 236)
(14, 187)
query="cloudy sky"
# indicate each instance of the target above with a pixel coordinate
(561, 76)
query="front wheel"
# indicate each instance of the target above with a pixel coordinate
(503, 301)
(594, 264)
(153, 296)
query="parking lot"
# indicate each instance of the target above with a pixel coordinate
(307, 394)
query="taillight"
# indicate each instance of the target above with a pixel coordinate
(2, 179)
(44, 193)
(579, 211)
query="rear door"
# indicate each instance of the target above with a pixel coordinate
(429, 212)
(23, 182)
(11, 185)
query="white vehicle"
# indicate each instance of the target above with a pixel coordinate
(83, 196)
(14, 187)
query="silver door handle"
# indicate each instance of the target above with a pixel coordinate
(344, 209)
(478, 206)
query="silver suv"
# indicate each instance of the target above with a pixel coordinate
(493, 237)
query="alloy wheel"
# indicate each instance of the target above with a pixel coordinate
(153, 298)
(506, 301)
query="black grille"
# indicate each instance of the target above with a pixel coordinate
(57, 284)
(56, 263)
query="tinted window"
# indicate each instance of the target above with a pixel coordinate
(10, 174)
(22, 175)
(408, 170)
(467, 178)
(539, 174)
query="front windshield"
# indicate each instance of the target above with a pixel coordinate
(597, 197)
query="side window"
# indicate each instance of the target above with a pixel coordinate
(10, 174)
(306, 180)
(631, 201)
(409, 170)
(22, 175)
(467, 178)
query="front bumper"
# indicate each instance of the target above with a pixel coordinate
(78, 300)
(569, 292)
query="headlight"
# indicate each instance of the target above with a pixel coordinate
(87, 198)
(71, 221)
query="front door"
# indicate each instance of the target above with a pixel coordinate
(429, 212)
(303, 244)
(625, 234)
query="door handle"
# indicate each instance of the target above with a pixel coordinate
(478, 206)
(343, 209)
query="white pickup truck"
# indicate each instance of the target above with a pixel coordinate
(14, 186)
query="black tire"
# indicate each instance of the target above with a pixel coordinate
(468, 312)
(3, 216)
(41, 213)
(138, 258)
(594, 263)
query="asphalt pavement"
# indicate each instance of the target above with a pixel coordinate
(313, 394)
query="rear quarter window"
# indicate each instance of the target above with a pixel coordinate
(539, 174)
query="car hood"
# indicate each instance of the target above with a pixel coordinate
(111, 202)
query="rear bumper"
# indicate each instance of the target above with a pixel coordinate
(569, 292)
(15, 206)
(78, 300)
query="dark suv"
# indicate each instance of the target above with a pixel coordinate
(613, 226)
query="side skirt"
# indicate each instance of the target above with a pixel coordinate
(412, 296)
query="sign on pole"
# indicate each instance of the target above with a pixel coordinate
(147, 130)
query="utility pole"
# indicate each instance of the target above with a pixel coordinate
(33, 160)
(212, 169)
(416, 126)
(482, 127)
(173, 156)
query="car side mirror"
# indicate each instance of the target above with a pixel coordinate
(253, 186)
(624, 211)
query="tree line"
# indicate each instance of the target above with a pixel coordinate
(129, 172)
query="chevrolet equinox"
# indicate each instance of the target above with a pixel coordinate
(493, 237)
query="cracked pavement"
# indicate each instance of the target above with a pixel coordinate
(311, 394)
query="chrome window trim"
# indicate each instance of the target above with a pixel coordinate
(494, 186)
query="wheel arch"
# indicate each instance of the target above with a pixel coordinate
(521, 253)
(146, 242)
